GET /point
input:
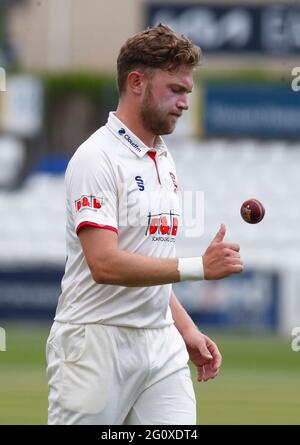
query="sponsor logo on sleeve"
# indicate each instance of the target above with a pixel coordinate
(90, 202)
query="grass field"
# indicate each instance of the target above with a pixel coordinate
(258, 384)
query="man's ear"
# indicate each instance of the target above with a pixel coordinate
(136, 82)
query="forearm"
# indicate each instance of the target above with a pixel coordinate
(182, 320)
(133, 270)
(111, 265)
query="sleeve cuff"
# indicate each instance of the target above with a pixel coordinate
(92, 224)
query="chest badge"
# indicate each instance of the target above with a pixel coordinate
(173, 177)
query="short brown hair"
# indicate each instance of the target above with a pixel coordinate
(157, 47)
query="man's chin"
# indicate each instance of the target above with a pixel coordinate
(164, 128)
(168, 130)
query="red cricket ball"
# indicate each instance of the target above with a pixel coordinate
(252, 211)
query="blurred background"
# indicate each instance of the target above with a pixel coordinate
(239, 140)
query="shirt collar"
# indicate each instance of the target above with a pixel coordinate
(130, 140)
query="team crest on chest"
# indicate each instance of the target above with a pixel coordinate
(173, 177)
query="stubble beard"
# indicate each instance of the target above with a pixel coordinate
(154, 119)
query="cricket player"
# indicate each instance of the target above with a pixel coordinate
(119, 347)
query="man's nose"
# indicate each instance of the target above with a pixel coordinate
(183, 102)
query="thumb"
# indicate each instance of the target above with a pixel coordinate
(220, 234)
(205, 352)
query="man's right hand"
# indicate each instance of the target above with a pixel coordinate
(220, 258)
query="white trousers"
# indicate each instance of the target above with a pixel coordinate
(108, 375)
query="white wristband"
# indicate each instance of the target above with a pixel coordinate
(191, 269)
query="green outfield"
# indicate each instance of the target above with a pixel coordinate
(258, 384)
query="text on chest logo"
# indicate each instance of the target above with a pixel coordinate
(140, 183)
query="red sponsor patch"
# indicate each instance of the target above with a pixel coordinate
(90, 202)
(163, 224)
